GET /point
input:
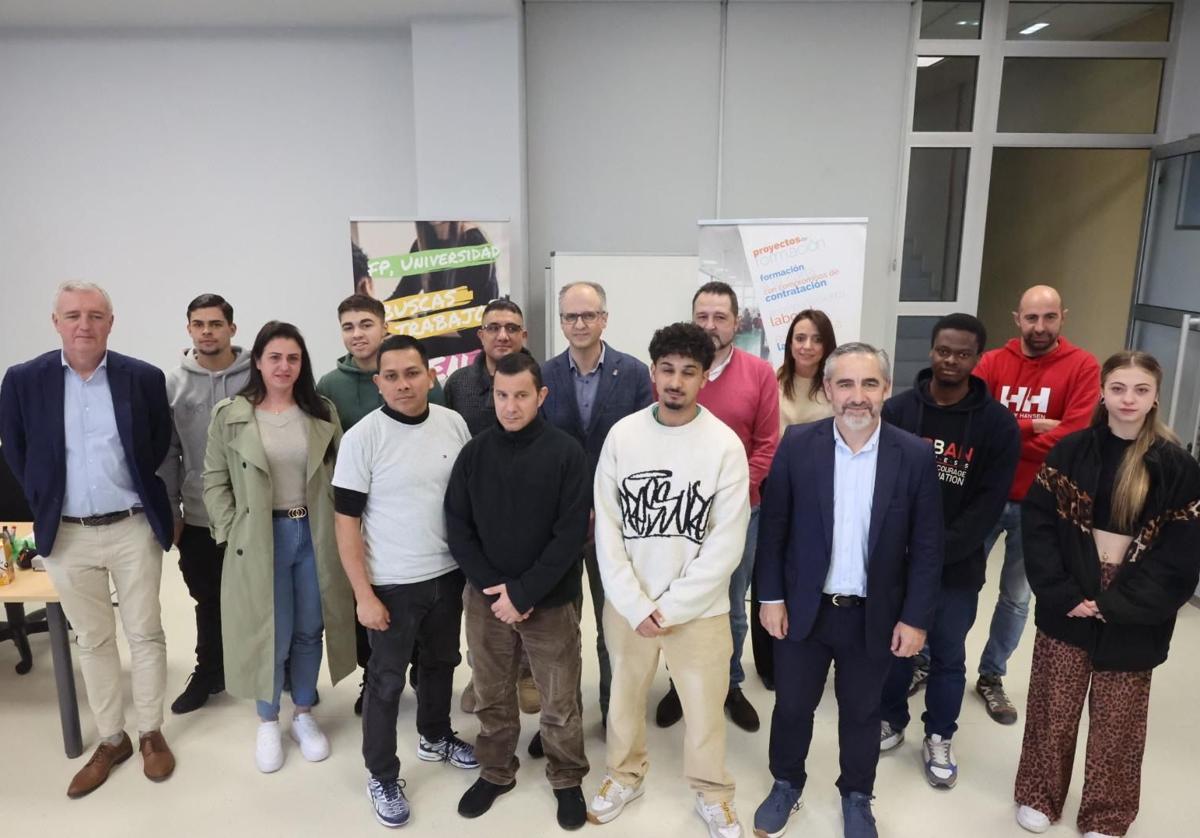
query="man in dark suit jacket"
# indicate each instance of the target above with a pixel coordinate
(849, 562)
(84, 430)
(592, 386)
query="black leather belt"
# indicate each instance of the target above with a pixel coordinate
(105, 519)
(844, 600)
(295, 513)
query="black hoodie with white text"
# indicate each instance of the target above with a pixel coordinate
(976, 445)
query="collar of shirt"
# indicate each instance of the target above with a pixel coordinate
(103, 365)
(715, 372)
(599, 364)
(871, 444)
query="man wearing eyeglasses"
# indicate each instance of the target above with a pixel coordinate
(469, 390)
(591, 387)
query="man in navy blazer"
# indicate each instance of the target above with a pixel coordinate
(591, 387)
(84, 430)
(849, 563)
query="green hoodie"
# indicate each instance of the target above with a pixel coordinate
(354, 394)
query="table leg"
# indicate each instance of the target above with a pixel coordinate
(64, 680)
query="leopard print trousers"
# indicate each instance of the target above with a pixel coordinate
(1061, 678)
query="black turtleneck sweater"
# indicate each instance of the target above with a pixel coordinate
(517, 513)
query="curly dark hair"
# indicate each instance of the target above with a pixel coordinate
(359, 260)
(686, 339)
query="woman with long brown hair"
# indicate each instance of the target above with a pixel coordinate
(801, 394)
(1110, 528)
(267, 488)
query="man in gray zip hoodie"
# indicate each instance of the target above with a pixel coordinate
(212, 370)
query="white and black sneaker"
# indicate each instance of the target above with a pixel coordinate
(889, 737)
(449, 749)
(389, 802)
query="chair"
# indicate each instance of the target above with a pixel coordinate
(13, 507)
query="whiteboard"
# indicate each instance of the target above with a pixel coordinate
(646, 291)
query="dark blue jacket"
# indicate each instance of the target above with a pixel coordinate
(904, 545)
(34, 444)
(624, 389)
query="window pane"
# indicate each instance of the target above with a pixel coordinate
(937, 187)
(1089, 21)
(945, 99)
(912, 349)
(951, 20)
(1080, 95)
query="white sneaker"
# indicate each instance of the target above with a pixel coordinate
(268, 747)
(720, 818)
(611, 799)
(312, 741)
(1031, 819)
(889, 737)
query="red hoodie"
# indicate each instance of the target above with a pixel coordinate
(1063, 384)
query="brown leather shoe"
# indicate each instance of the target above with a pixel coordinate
(157, 760)
(96, 771)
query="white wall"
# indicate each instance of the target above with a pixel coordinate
(1183, 114)
(162, 166)
(623, 112)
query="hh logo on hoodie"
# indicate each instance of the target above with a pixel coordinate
(1023, 402)
(653, 505)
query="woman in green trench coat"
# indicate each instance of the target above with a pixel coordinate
(267, 471)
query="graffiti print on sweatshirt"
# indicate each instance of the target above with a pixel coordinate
(656, 504)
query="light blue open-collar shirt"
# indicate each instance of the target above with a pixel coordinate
(587, 386)
(98, 479)
(853, 493)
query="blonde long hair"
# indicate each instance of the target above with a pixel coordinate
(1133, 478)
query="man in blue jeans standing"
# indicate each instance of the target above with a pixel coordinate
(1051, 388)
(975, 445)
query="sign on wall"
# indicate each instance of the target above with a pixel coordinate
(780, 267)
(434, 279)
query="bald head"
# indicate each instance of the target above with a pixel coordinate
(1039, 316)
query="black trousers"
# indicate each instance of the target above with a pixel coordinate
(426, 615)
(801, 667)
(200, 561)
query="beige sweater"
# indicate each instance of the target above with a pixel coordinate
(801, 409)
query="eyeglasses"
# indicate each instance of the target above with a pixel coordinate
(588, 317)
(509, 328)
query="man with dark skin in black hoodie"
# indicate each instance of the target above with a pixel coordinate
(976, 445)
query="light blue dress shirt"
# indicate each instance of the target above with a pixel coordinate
(98, 480)
(853, 493)
(587, 386)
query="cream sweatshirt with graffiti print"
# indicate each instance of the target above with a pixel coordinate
(672, 506)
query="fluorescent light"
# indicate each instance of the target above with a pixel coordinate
(1033, 27)
(968, 23)
(929, 60)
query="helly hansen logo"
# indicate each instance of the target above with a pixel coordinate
(1023, 400)
(653, 506)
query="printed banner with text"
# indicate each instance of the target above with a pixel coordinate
(434, 278)
(779, 268)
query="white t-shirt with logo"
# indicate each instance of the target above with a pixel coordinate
(403, 470)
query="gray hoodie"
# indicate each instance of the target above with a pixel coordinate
(192, 392)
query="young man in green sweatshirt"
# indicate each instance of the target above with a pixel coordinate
(351, 388)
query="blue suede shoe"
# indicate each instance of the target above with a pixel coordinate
(771, 817)
(857, 820)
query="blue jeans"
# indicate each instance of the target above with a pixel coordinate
(1012, 606)
(947, 644)
(739, 583)
(298, 619)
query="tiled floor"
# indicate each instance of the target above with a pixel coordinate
(216, 790)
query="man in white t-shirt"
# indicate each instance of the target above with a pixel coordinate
(392, 470)
(672, 503)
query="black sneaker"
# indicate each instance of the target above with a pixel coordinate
(535, 746)
(741, 711)
(480, 797)
(195, 693)
(362, 689)
(669, 709)
(920, 674)
(572, 810)
(999, 707)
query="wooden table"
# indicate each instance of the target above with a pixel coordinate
(35, 586)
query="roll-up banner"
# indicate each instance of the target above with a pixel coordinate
(434, 279)
(781, 266)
